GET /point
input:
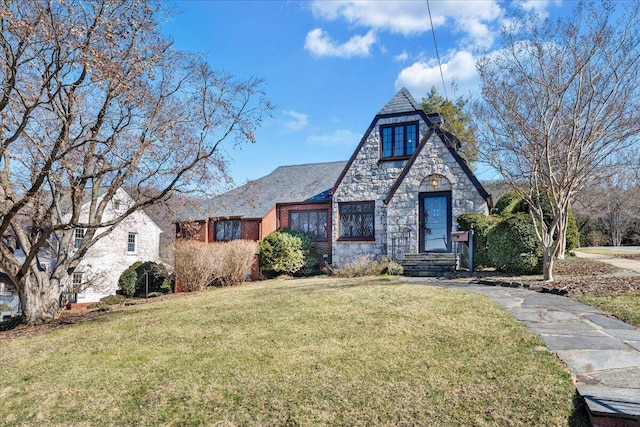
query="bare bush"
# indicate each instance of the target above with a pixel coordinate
(235, 260)
(362, 265)
(193, 266)
(199, 264)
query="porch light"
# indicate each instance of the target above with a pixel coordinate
(435, 182)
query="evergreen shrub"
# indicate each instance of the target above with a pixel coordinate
(514, 247)
(280, 253)
(481, 225)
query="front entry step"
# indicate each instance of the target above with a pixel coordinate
(429, 264)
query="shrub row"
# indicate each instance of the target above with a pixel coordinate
(199, 264)
(507, 239)
(509, 244)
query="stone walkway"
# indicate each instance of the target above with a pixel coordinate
(602, 353)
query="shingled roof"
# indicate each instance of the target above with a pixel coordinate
(402, 102)
(286, 184)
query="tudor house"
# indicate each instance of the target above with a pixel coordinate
(400, 193)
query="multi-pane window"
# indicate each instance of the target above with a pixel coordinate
(227, 230)
(356, 220)
(116, 205)
(311, 222)
(77, 281)
(399, 140)
(78, 237)
(132, 241)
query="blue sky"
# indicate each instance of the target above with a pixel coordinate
(330, 66)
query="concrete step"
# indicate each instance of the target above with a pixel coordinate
(429, 264)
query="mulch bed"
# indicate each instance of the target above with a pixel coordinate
(573, 276)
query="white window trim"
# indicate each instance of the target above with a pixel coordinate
(77, 240)
(135, 242)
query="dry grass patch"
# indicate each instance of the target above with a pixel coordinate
(623, 305)
(290, 352)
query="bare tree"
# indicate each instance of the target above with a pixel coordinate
(559, 99)
(93, 99)
(612, 202)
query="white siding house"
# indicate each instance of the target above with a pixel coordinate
(137, 238)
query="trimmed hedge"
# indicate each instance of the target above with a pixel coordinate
(280, 253)
(133, 281)
(481, 225)
(508, 204)
(514, 247)
(310, 256)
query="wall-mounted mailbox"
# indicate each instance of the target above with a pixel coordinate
(460, 236)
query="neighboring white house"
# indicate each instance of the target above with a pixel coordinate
(137, 238)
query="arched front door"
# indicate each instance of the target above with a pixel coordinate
(435, 221)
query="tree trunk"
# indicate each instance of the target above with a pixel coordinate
(547, 264)
(563, 223)
(40, 299)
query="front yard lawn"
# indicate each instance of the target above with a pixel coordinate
(369, 351)
(623, 305)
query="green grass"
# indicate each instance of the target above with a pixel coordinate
(308, 352)
(609, 252)
(623, 305)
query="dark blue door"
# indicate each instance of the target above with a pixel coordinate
(435, 222)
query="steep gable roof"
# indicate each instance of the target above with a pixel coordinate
(286, 184)
(402, 102)
(448, 140)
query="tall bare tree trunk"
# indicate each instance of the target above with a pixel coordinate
(547, 266)
(563, 223)
(40, 298)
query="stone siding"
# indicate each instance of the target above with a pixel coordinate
(396, 224)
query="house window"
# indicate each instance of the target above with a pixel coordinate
(132, 242)
(357, 220)
(311, 222)
(227, 230)
(398, 140)
(78, 237)
(77, 281)
(116, 205)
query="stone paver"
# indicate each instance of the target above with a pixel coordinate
(602, 353)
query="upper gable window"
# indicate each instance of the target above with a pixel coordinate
(398, 140)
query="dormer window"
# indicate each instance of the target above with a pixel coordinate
(398, 141)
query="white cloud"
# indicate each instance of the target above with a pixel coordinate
(401, 57)
(320, 44)
(295, 121)
(338, 137)
(474, 19)
(539, 7)
(459, 67)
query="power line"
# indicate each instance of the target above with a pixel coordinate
(433, 31)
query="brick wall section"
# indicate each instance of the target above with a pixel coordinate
(250, 229)
(269, 223)
(195, 230)
(324, 248)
